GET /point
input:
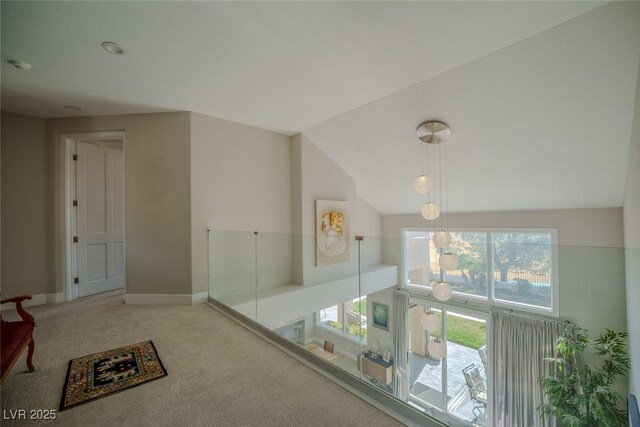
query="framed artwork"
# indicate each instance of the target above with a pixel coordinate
(380, 315)
(387, 356)
(332, 232)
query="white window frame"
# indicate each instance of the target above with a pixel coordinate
(345, 328)
(489, 300)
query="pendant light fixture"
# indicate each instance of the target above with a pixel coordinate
(434, 135)
(430, 321)
(442, 290)
(437, 348)
(441, 239)
(430, 133)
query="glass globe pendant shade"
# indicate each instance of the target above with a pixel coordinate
(441, 239)
(442, 291)
(430, 211)
(448, 261)
(422, 184)
(437, 348)
(430, 322)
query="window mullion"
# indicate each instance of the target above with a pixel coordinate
(491, 272)
(344, 318)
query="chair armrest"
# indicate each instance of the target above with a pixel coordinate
(18, 302)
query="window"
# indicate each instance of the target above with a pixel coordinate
(510, 268)
(348, 318)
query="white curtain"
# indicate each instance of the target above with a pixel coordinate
(518, 345)
(400, 344)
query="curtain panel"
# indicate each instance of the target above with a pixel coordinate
(518, 346)
(401, 344)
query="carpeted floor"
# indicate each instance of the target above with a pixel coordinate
(220, 374)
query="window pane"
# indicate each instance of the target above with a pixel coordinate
(332, 317)
(466, 367)
(418, 245)
(425, 372)
(471, 276)
(522, 263)
(357, 317)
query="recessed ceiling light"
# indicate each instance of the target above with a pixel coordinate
(112, 47)
(71, 108)
(19, 64)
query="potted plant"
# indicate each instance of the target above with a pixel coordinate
(580, 394)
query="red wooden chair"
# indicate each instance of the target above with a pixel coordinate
(15, 337)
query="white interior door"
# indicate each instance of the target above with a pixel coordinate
(99, 219)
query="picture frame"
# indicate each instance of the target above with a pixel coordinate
(332, 232)
(380, 315)
(387, 356)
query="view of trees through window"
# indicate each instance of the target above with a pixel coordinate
(348, 318)
(522, 265)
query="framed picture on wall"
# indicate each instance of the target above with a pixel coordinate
(332, 232)
(380, 315)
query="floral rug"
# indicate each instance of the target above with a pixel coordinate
(101, 374)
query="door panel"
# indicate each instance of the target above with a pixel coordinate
(95, 191)
(118, 249)
(96, 262)
(99, 219)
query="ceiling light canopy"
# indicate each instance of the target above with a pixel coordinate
(113, 48)
(433, 132)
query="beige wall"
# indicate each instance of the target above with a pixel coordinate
(632, 245)
(590, 257)
(319, 179)
(241, 181)
(157, 197)
(27, 207)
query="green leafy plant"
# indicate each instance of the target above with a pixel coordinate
(583, 395)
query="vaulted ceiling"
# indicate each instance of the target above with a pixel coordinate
(539, 95)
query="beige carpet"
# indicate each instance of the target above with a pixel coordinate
(220, 374)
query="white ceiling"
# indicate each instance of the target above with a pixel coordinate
(540, 108)
(543, 124)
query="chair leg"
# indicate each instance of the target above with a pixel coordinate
(32, 347)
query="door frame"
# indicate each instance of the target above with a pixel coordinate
(65, 250)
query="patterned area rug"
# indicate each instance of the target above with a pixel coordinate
(101, 374)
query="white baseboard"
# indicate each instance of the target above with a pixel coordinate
(179, 299)
(199, 298)
(38, 299)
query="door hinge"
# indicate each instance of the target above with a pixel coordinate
(75, 203)
(75, 157)
(75, 239)
(76, 280)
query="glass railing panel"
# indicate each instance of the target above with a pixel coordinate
(344, 312)
(276, 307)
(232, 270)
(332, 271)
(377, 285)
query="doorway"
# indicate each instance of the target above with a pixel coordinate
(454, 384)
(93, 213)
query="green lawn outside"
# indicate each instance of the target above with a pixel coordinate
(466, 332)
